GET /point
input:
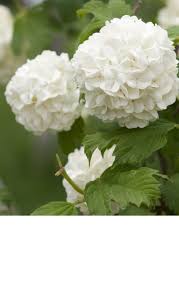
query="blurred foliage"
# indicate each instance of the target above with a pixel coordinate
(37, 28)
(148, 9)
(6, 2)
(27, 164)
(170, 193)
(33, 32)
(68, 141)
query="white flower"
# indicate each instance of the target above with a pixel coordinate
(83, 171)
(127, 71)
(6, 29)
(43, 93)
(169, 15)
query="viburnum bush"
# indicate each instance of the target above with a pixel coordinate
(113, 103)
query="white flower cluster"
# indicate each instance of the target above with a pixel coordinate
(43, 93)
(169, 15)
(83, 171)
(127, 71)
(6, 29)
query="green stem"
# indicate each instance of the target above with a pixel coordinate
(72, 183)
(67, 177)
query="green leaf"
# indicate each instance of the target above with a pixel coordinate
(101, 12)
(135, 211)
(33, 32)
(170, 193)
(94, 25)
(132, 145)
(118, 8)
(56, 209)
(97, 8)
(93, 125)
(173, 33)
(72, 139)
(137, 187)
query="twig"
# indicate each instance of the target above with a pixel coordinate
(62, 172)
(136, 7)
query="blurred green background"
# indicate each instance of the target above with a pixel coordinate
(27, 162)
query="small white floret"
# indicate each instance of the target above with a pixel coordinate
(83, 171)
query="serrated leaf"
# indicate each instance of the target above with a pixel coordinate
(56, 209)
(101, 12)
(132, 145)
(135, 211)
(137, 187)
(170, 193)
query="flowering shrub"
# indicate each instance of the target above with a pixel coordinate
(113, 105)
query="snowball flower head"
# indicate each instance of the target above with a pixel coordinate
(83, 171)
(6, 29)
(169, 15)
(127, 71)
(43, 93)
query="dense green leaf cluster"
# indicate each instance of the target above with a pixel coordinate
(138, 187)
(132, 146)
(128, 187)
